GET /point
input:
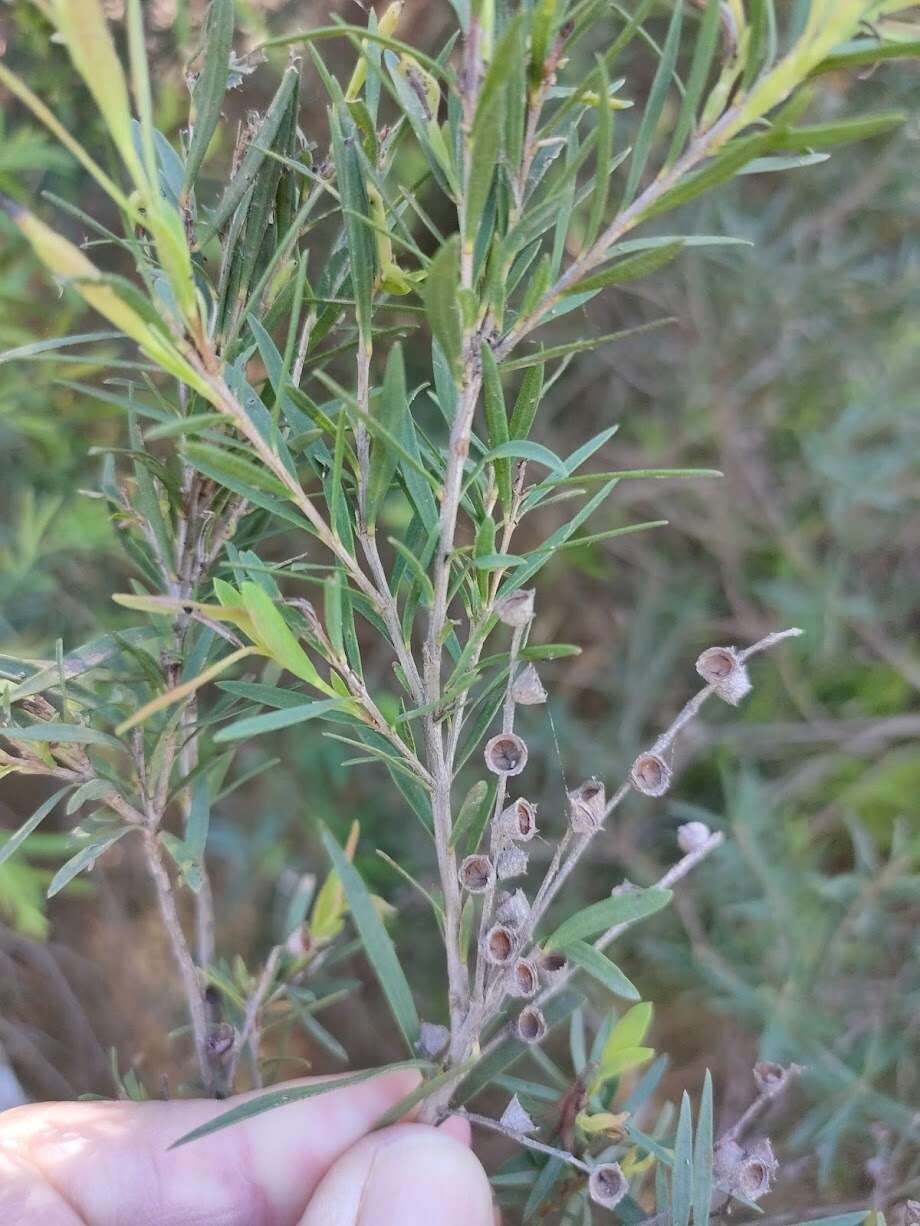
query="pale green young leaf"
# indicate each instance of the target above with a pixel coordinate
(277, 638)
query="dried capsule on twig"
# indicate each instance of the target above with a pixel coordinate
(518, 821)
(722, 668)
(650, 774)
(527, 689)
(553, 966)
(516, 1119)
(514, 909)
(512, 862)
(498, 945)
(692, 835)
(607, 1185)
(531, 1025)
(506, 754)
(523, 979)
(517, 609)
(433, 1039)
(477, 874)
(587, 803)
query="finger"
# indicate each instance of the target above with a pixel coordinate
(408, 1175)
(112, 1164)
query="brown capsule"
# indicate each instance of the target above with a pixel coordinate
(527, 689)
(477, 874)
(531, 1025)
(513, 909)
(692, 835)
(518, 821)
(498, 945)
(772, 1079)
(722, 668)
(650, 775)
(757, 1170)
(221, 1039)
(607, 1185)
(523, 979)
(512, 862)
(553, 965)
(516, 1119)
(517, 609)
(587, 803)
(433, 1039)
(506, 754)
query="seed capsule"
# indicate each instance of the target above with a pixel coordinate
(516, 1119)
(506, 754)
(518, 821)
(517, 609)
(587, 803)
(514, 909)
(523, 980)
(498, 945)
(721, 668)
(650, 775)
(531, 1025)
(512, 862)
(607, 1185)
(527, 689)
(692, 835)
(477, 874)
(553, 966)
(433, 1039)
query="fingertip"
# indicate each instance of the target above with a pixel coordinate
(407, 1175)
(457, 1127)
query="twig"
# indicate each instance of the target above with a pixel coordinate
(484, 1121)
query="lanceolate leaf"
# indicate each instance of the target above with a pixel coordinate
(702, 1157)
(440, 295)
(630, 269)
(682, 1175)
(293, 1094)
(378, 946)
(211, 85)
(362, 251)
(16, 840)
(623, 908)
(599, 967)
(393, 408)
(85, 858)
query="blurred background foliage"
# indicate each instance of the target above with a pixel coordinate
(793, 367)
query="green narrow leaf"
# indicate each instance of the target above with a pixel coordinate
(378, 946)
(723, 166)
(60, 734)
(428, 1087)
(440, 297)
(496, 421)
(394, 407)
(281, 1098)
(527, 402)
(86, 857)
(619, 909)
(469, 812)
(563, 351)
(842, 132)
(255, 155)
(654, 105)
(599, 967)
(630, 269)
(211, 85)
(702, 1156)
(604, 155)
(682, 1174)
(703, 52)
(362, 249)
(272, 721)
(16, 840)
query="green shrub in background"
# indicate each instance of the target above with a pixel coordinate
(211, 324)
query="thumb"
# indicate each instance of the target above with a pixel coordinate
(408, 1175)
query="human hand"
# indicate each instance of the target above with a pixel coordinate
(311, 1163)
